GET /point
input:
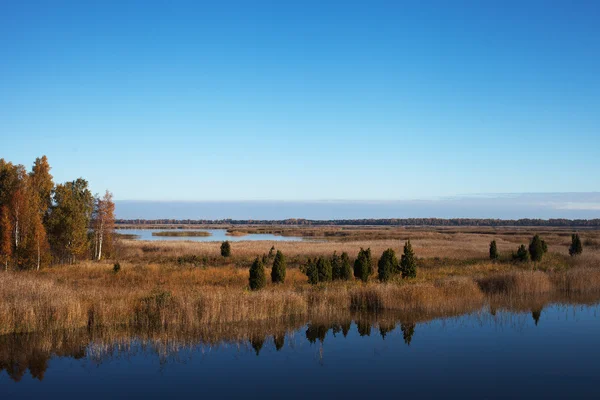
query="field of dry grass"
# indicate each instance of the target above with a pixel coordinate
(188, 284)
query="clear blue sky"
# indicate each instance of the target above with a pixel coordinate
(273, 100)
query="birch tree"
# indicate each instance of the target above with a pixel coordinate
(5, 237)
(103, 224)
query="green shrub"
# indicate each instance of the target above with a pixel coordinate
(346, 267)
(408, 262)
(576, 247)
(279, 267)
(336, 266)
(226, 249)
(362, 265)
(311, 272)
(257, 279)
(522, 254)
(494, 251)
(537, 248)
(324, 269)
(387, 265)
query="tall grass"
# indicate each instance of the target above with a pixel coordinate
(188, 284)
(158, 297)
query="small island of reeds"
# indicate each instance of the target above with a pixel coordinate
(178, 233)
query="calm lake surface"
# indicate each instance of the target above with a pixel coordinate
(217, 235)
(549, 353)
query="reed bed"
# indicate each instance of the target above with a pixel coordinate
(162, 297)
(189, 284)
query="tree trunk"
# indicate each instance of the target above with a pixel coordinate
(16, 233)
(100, 237)
(38, 255)
(100, 246)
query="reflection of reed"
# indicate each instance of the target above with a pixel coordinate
(32, 351)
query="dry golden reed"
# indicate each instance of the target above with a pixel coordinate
(158, 287)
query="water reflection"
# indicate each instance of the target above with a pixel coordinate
(34, 352)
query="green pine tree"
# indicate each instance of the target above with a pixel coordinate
(576, 247)
(387, 265)
(362, 265)
(226, 249)
(258, 279)
(522, 254)
(408, 262)
(324, 269)
(311, 272)
(537, 248)
(494, 256)
(336, 266)
(346, 268)
(279, 267)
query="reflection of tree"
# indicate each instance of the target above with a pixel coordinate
(346, 327)
(257, 343)
(17, 355)
(536, 314)
(279, 340)
(408, 330)
(385, 328)
(364, 328)
(335, 329)
(316, 331)
(15, 369)
(38, 364)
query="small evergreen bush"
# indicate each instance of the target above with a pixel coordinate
(408, 262)
(494, 256)
(522, 254)
(576, 247)
(346, 267)
(362, 265)
(387, 265)
(257, 278)
(226, 249)
(537, 248)
(279, 267)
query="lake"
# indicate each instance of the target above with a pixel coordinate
(217, 235)
(549, 352)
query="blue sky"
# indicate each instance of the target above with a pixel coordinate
(304, 101)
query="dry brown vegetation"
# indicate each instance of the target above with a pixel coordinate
(188, 284)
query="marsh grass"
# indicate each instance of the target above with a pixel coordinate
(159, 297)
(189, 285)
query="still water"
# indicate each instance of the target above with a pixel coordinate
(551, 352)
(217, 235)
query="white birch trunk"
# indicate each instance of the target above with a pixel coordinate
(38, 255)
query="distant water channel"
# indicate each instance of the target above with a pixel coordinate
(217, 235)
(549, 352)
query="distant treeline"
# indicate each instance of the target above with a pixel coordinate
(556, 222)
